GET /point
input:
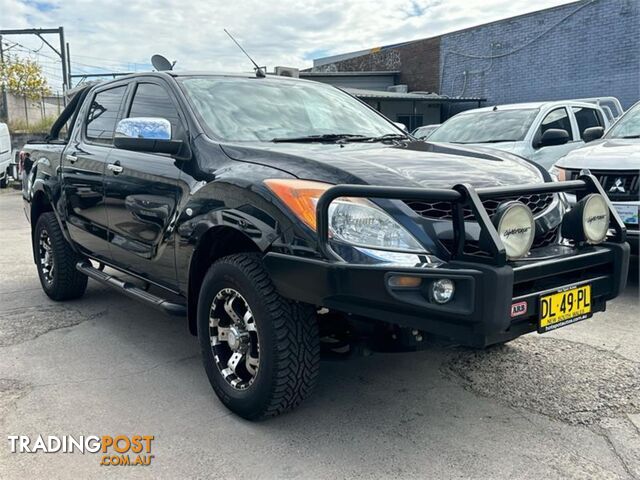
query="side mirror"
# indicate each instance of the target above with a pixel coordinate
(592, 133)
(401, 126)
(554, 136)
(146, 134)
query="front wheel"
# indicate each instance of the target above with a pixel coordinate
(261, 351)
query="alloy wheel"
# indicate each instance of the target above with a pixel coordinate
(45, 253)
(234, 338)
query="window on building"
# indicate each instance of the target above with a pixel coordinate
(411, 121)
(587, 118)
(103, 115)
(152, 100)
(557, 119)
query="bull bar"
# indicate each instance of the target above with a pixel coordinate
(462, 196)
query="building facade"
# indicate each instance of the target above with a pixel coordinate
(589, 48)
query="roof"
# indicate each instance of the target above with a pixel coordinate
(533, 105)
(349, 74)
(420, 96)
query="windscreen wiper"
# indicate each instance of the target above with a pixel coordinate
(631, 136)
(327, 137)
(386, 137)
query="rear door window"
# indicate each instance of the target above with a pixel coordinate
(103, 115)
(587, 118)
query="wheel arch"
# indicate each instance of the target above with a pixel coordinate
(216, 242)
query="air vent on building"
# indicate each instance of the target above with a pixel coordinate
(398, 88)
(287, 72)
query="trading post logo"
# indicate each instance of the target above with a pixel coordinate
(116, 450)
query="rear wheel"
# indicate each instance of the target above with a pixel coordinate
(261, 351)
(4, 180)
(56, 261)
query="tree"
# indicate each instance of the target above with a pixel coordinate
(23, 77)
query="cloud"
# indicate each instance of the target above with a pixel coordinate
(122, 35)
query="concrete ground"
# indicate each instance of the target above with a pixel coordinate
(560, 405)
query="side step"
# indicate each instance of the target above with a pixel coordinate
(131, 290)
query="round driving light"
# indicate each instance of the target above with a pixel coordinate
(595, 218)
(516, 227)
(588, 220)
(442, 290)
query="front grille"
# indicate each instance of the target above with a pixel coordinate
(619, 185)
(472, 247)
(443, 211)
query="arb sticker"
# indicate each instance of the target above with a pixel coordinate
(518, 309)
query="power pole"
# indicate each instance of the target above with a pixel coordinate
(63, 53)
(68, 67)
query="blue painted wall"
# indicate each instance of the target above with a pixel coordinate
(585, 49)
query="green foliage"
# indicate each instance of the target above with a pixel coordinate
(23, 77)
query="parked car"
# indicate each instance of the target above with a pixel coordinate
(542, 132)
(422, 133)
(265, 209)
(5, 155)
(611, 106)
(615, 161)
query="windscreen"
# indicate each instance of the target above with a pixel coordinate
(628, 126)
(486, 127)
(259, 109)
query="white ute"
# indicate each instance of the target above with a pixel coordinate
(542, 132)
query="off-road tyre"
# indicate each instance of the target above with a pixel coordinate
(66, 282)
(288, 340)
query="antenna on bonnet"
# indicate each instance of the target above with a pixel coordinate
(259, 72)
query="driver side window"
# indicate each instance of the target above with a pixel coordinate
(557, 119)
(152, 100)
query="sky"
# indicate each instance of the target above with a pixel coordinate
(119, 35)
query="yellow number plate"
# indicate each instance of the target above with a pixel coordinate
(566, 306)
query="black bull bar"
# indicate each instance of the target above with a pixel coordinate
(461, 197)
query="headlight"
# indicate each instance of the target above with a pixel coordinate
(515, 225)
(362, 223)
(558, 174)
(355, 221)
(588, 220)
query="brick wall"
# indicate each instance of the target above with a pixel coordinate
(418, 63)
(585, 49)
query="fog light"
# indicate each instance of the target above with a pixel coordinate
(442, 290)
(515, 225)
(588, 220)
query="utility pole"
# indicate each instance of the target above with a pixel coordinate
(63, 52)
(68, 66)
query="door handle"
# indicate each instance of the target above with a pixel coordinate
(71, 158)
(115, 168)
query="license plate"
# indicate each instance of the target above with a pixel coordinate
(564, 307)
(628, 213)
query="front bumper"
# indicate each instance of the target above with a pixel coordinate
(486, 286)
(480, 313)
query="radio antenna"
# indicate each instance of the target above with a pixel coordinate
(259, 72)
